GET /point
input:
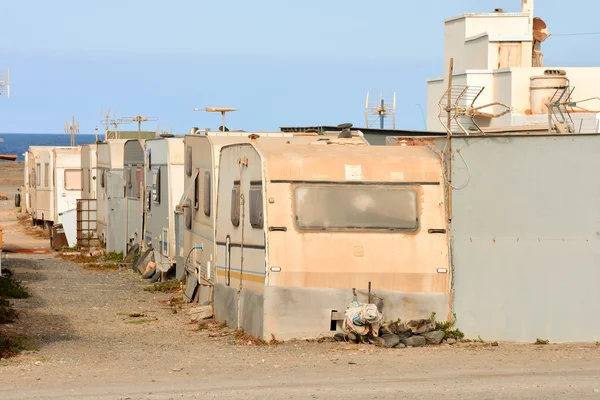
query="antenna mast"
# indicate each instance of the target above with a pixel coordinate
(377, 111)
(139, 119)
(72, 129)
(222, 110)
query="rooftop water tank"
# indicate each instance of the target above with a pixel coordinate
(543, 87)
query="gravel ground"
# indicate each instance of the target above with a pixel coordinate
(88, 346)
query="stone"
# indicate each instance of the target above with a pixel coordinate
(450, 341)
(434, 337)
(400, 346)
(391, 340)
(596, 390)
(376, 340)
(404, 334)
(340, 337)
(414, 341)
(202, 312)
(420, 326)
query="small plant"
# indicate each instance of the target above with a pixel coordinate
(132, 315)
(12, 289)
(113, 257)
(446, 328)
(7, 313)
(539, 341)
(19, 209)
(480, 340)
(140, 321)
(202, 325)
(166, 287)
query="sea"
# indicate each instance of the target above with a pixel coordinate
(17, 143)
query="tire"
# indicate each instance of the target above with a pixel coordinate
(18, 200)
(149, 274)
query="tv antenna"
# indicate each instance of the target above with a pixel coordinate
(377, 111)
(72, 129)
(139, 119)
(5, 83)
(105, 120)
(114, 122)
(222, 110)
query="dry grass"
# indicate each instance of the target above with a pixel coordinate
(101, 267)
(165, 287)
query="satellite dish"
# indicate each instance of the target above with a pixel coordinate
(345, 126)
(540, 30)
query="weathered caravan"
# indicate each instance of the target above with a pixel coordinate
(197, 226)
(89, 170)
(299, 226)
(131, 208)
(110, 188)
(67, 182)
(25, 191)
(164, 187)
(39, 160)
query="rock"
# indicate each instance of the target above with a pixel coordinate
(202, 312)
(390, 340)
(376, 340)
(420, 326)
(177, 369)
(400, 346)
(340, 337)
(596, 390)
(414, 341)
(450, 341)
(404, 334)
(495, 344)
(434, 337)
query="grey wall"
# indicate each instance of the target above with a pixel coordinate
(525, 238)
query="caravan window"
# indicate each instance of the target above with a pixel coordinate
(72, 179)
(149, 159)
(256, 205)
(188, 160)
(46, 174)
(38, 175)
(355, 207)
(149, 197)
(235, 204)
(207, 187)
(139, 178)
(156, 185)
(102, 178)
(197, 192)
(129, 177)
(187, 214)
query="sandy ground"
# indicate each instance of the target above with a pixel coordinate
(89, 348)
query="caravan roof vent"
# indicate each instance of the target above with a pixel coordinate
(498, 10)
(166, 135)
(194, 130)
(560, 72)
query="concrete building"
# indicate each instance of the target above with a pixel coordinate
(498, 61)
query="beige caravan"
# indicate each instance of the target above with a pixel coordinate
(300, 226)
(195, 220)
(89, 162)
(40, 159)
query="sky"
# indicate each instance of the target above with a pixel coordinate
(281, 63)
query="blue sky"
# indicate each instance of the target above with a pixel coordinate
(280, 62)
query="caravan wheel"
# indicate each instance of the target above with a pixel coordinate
(18, 200)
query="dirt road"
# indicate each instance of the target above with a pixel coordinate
(99, 335)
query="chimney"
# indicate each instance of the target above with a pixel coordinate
(527, 7)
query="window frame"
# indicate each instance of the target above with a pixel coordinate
(46, 174)
(256, 187)
(235, 199)
(207, 195)
(416, 189)
(65, 179)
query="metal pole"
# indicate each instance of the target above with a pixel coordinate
(449, 139)
(381, 114)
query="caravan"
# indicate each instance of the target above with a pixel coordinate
(89, 170)
(41, 205)
(301, 227)
(196, 213)
(110, 188)
(131, 208)
(164, 187)
(67, 180)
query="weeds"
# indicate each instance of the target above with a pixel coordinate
(446, 328)
(7, 313)
(132, 315)
(19, 209)
(539, 341)
(12, 289)
(165, 287)
(10, 347)
(114, 257)
(140, 321)
(101, 267)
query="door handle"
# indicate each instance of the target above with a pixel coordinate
(277, 229)
(436, 231)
